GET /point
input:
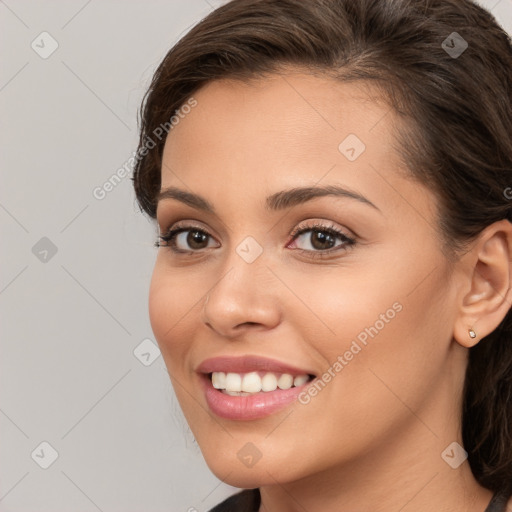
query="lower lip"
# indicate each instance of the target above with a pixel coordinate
(249, 407)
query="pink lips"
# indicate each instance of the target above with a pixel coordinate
(246, 364)
(249, 407)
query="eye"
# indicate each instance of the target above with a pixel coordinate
(316, 240)
(320, 239)
(186, 239)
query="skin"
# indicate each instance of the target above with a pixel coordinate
(372, 438)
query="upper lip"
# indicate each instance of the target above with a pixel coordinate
(244, 364)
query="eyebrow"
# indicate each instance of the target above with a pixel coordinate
(278, 201)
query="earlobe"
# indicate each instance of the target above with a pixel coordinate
(467, 337)
(484, 305)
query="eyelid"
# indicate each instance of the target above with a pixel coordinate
(320, 225)
(185, 224)
(348, 241)
(169, 236)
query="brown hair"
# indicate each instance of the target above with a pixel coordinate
(458, 141)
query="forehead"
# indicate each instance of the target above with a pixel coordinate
(289, 95)
(293, 115)
(288, 130)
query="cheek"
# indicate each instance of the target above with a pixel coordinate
(391, 322)
(172, 304)
(335, 306)
(401, 335)
(162, 304)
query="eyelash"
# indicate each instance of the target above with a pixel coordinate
(348, 242)
(168, 239)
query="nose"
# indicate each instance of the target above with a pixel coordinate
(244, 298)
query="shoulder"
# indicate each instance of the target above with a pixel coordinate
(247, 500)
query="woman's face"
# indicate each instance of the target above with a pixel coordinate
(345, 281)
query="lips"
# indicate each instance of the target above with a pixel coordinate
(249, 406)
(246, 364)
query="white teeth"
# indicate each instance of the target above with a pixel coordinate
(219, 380)
(251, 382)
(237, 384)
(285, 381)
(301, 379)
(233, 382)
(269, 382)
(236, 393)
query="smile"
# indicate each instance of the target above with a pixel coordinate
(250, 387)
(238, 384)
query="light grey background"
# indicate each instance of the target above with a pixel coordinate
(71, 321)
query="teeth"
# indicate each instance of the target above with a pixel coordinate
(236, 384)
(236, 393)
(269, 382)
(219, 380)
(251, 383)
(233, 382)
(301, 379)
(285, 381)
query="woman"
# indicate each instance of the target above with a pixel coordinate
(331, 182)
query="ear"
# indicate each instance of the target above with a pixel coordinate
(487, 293)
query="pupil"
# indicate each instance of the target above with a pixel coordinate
(321, 240)
(195, 239)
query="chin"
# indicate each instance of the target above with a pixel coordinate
(232, 473)
(234, 466)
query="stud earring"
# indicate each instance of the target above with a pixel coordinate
(472, 333)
